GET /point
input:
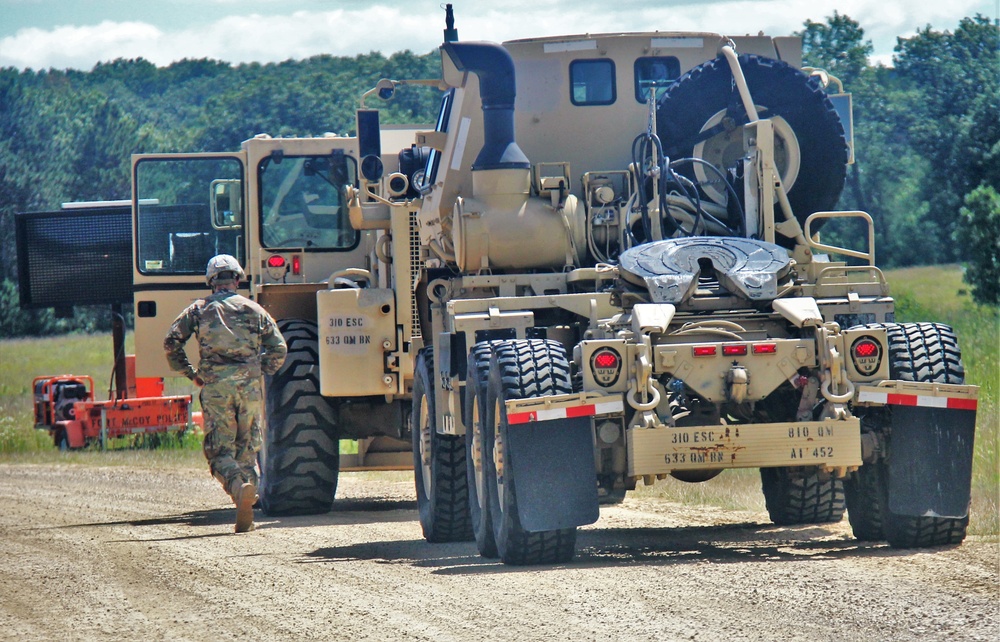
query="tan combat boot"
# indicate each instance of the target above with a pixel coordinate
(245, 498)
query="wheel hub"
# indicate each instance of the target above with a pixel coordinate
(498, 453)
(726, 148)
(477, 451)
(425, 450)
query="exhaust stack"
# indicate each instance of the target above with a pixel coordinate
(495, 69)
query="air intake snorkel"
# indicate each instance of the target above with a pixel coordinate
(495, 69)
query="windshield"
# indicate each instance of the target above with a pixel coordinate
(302, 201)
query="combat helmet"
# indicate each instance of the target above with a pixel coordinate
(223, 268)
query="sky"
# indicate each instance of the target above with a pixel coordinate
(77, 34)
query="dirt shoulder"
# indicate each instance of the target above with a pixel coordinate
(113, 553)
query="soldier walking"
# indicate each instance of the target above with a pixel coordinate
(237, 342)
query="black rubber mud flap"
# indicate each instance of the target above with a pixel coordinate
(556, 484)
(930, 469)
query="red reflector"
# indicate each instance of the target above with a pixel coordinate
(275, 261)
(606, 360)
(765, 348)
(734, 351)
(866, 349)
(705, 351)
(296, 264)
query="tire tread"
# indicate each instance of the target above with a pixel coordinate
(299, 475)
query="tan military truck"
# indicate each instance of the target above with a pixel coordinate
(601, 267)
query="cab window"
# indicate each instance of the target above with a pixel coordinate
(434, 156)
(654, 71)
(592, 82)
(175, 231)
(303, 204)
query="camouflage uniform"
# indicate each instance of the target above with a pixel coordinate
(237, 341)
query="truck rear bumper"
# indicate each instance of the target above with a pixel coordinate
(662, 450)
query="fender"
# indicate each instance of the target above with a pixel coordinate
(556, 482)
(929, 462)
(74, 433)
(928, 466)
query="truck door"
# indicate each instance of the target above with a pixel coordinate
(186, 208)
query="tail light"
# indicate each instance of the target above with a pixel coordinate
(867, 355)
(276, 266)
(606, 366)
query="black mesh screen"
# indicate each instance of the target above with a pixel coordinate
(75, 257)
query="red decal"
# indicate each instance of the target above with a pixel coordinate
(962, 404)
(581, 411)
(520, 417)
(902, 400)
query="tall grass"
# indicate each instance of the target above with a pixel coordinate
(21, 360)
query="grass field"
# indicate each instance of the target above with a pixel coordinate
(922, 294)
(24, 359)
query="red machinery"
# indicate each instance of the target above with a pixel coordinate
(65, 406)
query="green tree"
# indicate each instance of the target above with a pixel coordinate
(886, 176)
(102, 153)
(955, 123)
(837, 45)
(978, 232)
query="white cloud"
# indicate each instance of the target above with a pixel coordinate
(77, 47)
(418, 26)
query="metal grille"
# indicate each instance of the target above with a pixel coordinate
(414, 275)
(77, 257)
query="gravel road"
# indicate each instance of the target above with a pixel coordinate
(113, 553)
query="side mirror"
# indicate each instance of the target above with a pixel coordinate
(372, 168)
(226, 199)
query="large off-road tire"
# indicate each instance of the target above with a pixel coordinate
(864, 511)
(521, 369)
(300, 458)
(926, 352)
(801, 496)
(438, 464)
(815, 136)
(475, 419)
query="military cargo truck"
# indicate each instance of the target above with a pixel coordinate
(602, 266)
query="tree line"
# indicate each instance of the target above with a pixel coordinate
(927, 134)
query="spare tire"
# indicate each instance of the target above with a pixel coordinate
(701, 115)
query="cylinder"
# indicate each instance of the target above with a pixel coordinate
(502, 227)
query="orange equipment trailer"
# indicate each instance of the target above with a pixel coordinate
(65, 406)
